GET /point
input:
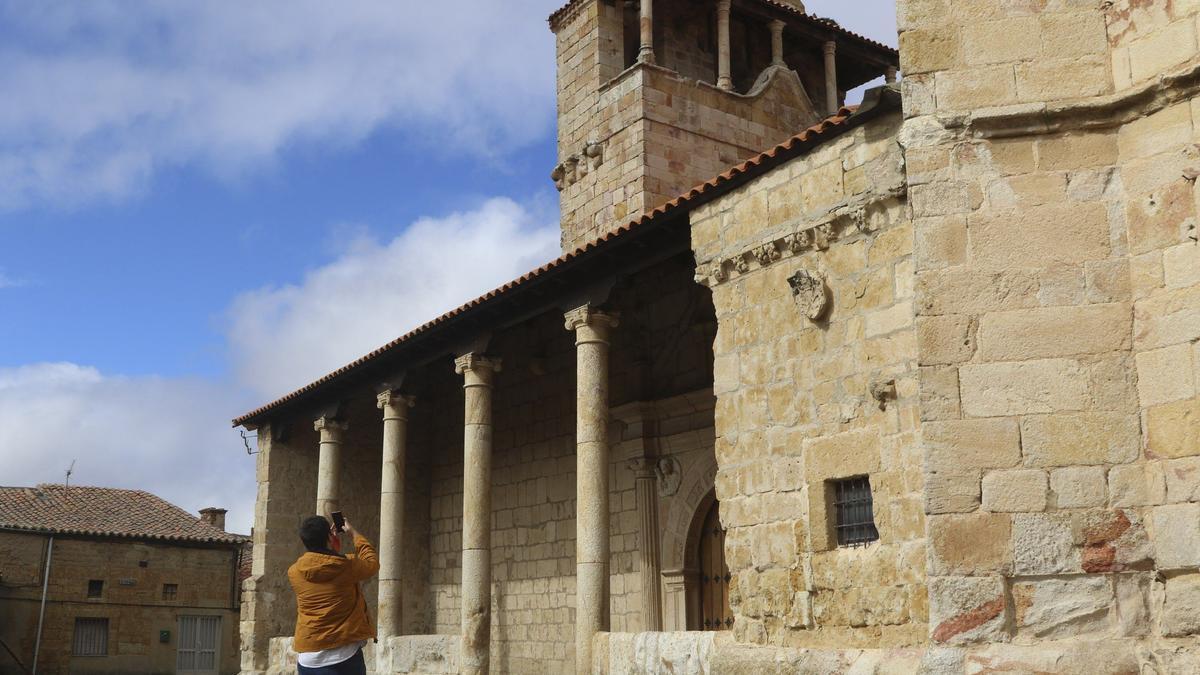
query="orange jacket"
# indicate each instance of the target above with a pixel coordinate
(330, 608)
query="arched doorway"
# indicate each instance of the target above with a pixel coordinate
(715, 578)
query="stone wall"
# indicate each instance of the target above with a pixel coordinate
(131, 600)
(795, 403)
(1057, 316)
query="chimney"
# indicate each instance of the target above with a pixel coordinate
(214, 516)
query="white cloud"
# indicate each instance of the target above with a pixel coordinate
(167, 436)
(282, 338)
(100, 95)
(10, 282)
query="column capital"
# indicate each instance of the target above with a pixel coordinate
(643, 467)
(830, 48)
(394, 399)
(330, 428)
(777, 25)
(473, 362)
(723, 5)
(588, 316)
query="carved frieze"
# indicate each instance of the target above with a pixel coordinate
(810, 293)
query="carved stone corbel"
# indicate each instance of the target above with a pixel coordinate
(810, 293)
(594, 151)
(558, 175)
(767, 253)
(798, 241)
(883, 391)
(825, 235)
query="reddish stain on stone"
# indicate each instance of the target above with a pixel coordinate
(1099, 551)
(968, 620)
(1104, 533)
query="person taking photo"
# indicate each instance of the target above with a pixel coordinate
(332, 623)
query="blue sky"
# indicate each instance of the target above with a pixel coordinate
(203, 208)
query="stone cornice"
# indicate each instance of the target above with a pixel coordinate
(1089, 113)
(839, 224)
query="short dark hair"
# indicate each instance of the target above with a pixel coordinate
(314, 532)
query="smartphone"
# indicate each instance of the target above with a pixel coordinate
(339, 521)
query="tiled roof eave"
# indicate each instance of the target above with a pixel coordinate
(232, 540)
(878, 101)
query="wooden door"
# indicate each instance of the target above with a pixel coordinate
(714, 575)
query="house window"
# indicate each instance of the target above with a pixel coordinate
(95, 588)
(91, 637)
(169, 591)
(854, 513)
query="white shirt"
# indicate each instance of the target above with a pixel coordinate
(329, 657)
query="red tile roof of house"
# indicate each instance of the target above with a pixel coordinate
(878, 100)
(104, 512)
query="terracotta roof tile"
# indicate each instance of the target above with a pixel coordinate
(792, 147)
(106, 512)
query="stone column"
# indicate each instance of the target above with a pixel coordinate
(889, 76)
(591, 470)
(391, 510)
(478, 374)
(646, 23)
(831, 85)
(724, 81)
(329, 464)
(646, 491)
(777, 42)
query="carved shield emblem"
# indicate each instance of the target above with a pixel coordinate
(812, 297)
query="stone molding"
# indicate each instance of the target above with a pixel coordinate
(1098, 112)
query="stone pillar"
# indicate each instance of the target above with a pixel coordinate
(646, 491)
(591, 469)
(777, 42)
(831, 85)
(329, 464)
(724, 81)
(890, 75)
(646, 24)
(478, 374)
(391, 510)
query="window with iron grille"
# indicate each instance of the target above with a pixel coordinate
(95, 588)
(91, 637)
(854, 513)
(170, 591)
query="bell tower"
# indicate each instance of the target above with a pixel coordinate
(655, 96)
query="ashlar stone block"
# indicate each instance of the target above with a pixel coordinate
(1139, 484)
(975, 543)
(1015, 491)
(1024, 388)
(1176, 532)
(967, 610)
(1181, 609)
(1062, 608)
(1080, 439)
(1055, 331)
(1079, 487)
(1183, 479)
(956, 445)
(1043, 543)
(1173, 429)
(1166, 375)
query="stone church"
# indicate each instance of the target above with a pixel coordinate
(904, 387)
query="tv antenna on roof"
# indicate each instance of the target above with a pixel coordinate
(70, 470)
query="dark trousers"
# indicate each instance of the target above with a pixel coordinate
(351, 666)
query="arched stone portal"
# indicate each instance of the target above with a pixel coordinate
(682, 536)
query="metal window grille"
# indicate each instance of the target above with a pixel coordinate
(199, 637)
(170, 591)
(91, 637)
(854, 512)
(95, 588)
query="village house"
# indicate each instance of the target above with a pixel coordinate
(904, 387)
(101, 580)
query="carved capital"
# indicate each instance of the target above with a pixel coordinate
(394, 399)
(473, 363)
(331, 429)
(643, 467)
(826, 234)
(830, 48)
(741, 263)
(588, 316)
